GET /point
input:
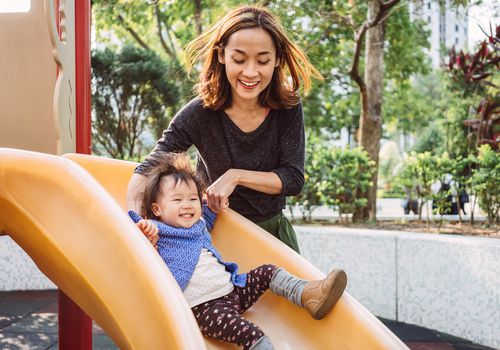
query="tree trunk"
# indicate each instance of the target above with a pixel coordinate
(370, 122)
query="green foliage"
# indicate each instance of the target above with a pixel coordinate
(419, 172)
(130, 95)
(162, 26)
(406, 40)
(431, 140)
(322, 29)
(334, 177)
(310, 199)
(440, 121)
(407, 107)
(486, 182)
(347, 174)
(319, 27)
(480, 175)
(432, 106)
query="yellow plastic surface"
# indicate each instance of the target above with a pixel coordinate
(84, 242)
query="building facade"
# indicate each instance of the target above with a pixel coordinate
(448, 27)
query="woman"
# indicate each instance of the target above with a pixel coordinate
(246, 122)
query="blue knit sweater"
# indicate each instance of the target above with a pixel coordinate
(180, 248)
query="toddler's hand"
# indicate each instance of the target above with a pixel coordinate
(150, 230)
(224, 205)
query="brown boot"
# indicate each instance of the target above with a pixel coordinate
(320, 296)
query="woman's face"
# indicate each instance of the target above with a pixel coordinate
(249, 58)
(178, 203)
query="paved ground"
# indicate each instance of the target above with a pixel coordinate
(28, 320)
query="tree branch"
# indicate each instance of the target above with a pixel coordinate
(384, 11)
(133, 33)
(197, 16)
(160, 35)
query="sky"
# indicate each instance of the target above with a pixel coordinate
(481, 15)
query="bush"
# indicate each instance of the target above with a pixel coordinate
(130, 98)
(347, 174)
(486, 182)
(457, 177)
(309, 199)
(334, 177)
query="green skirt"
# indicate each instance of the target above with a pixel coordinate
(281, 228)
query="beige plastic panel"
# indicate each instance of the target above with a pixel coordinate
(27, 82)
(64, 55)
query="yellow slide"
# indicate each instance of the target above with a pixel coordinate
(74, 227)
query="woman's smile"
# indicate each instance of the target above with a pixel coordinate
(248, 84)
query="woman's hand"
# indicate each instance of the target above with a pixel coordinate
(150, 230)
(218, 193)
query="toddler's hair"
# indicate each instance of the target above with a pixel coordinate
(164, 164)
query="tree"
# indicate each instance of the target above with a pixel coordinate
(371, 87)
(160, 26)
(372, 33)
(332, 38)
(332, 34)
(130, 95)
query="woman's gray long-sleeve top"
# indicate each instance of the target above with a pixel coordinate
(277, 145)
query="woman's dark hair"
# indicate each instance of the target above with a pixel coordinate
(164, 164)
(214, 88)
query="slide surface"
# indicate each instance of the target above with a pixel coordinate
(74, 227)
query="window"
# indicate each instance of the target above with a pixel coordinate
(456, 28)
(456, 41)
(429, 6)
(428, 19)
(12, 6)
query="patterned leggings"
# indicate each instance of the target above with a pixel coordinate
(222, 318)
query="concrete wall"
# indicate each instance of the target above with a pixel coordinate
(17, 270)
(444, 282)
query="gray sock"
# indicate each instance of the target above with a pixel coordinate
(263, 343)
(287, 285)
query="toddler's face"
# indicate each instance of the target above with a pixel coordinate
(178, 204)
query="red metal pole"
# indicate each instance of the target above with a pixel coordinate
(82, 74)
(75, 327)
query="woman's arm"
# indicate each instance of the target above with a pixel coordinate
(292, 152)
(177, 138)
(134, 192)
(218, 193)
(134, 202)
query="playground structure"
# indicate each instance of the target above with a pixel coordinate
(71, 218)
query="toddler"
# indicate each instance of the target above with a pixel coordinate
(216, 292)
